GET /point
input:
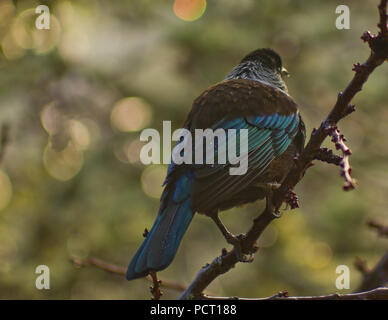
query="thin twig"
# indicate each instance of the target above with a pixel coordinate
(380, 228)
(94, 262)
(339, 141)
(155, 288)
(375, 294)
(377, 277)
(362, 266)
(327, 155)
(119, 270)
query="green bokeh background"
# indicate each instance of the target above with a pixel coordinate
(57, 95)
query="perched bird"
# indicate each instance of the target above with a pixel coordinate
(253, 97)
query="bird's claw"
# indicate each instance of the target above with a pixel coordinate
(271, 187)
(236, 242)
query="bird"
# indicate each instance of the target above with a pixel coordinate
(253, 96)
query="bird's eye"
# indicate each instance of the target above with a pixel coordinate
(284, 72)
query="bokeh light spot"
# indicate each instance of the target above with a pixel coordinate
(7, 10)
(50, 118)
(46, 40)
(189, 10)
(133, 151)
(5, 189)
(27, 36)
(10, 48)
(63, 165)
(23, 28)
(129, 152)
(76, 44)
(79, 134)
(120, 152)
(130, 114)
(152, 179)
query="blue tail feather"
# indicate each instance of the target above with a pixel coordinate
(162, 242)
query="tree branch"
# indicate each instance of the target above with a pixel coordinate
(362, 266)
(381, 229)
(375, 294)
(377, 277)
(121, 271)
(327, 155)
(339, 141)
(342, 108)
(155, 289)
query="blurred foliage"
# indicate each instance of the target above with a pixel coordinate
(77, 96)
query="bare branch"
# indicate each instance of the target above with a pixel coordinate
(327, 155)
(119, 270)
(380, 228)
(383, 19)
(377, 277)
(339, 141)
(94, 262)
(362, 266)
(375, 294)
(155, 289)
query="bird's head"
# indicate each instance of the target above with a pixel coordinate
(268, 58)
(261, 65)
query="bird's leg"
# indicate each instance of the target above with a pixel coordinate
(235, 241)
(229, 237)
(270, 188)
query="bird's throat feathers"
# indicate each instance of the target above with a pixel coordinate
(258, 72)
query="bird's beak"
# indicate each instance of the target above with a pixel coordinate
(284, 72)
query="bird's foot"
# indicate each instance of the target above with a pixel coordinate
(235, 241)
(242, 257)
(230, 238)
(271, 187)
